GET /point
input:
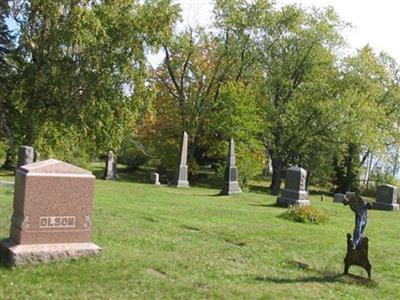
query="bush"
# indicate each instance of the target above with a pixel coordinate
(131, 154)
(305, 214)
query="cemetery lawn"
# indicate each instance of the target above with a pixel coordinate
(168, 243)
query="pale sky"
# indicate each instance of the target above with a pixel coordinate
(375, 22)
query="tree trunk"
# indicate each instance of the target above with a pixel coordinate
(347, 173)
(30, 135)
(396, 159)
(353, 167)
(8, 162)
(308, 180)
(277, 170)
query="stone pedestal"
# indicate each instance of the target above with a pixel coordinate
(52, 214)
(155, 178)
(386, 198)
(294, 192)
(231, 183)
(13, 254)
(357, 256)
(26, 155)
(111, 167)
(181, 176)
(338, 198)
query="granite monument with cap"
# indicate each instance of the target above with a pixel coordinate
(386, 197)
(26, 155)
(294, 192)
(51, 217)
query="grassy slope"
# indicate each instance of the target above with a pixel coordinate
(162, 242)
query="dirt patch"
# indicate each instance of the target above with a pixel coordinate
(156, 273)
(239, 244)
(300, 264)
(191, 228)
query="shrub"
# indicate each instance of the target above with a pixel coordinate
(305, 214)
(131, 154)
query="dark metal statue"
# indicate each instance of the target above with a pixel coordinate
(360, 209)
(357, 247)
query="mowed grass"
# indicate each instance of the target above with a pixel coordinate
(168, 243)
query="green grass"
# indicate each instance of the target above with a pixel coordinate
(168, 243)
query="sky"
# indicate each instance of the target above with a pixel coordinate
(374, 22)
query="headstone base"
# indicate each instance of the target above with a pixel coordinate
(13, 254)
(182, 184)
(281, 201)
(181, 180)
(231, 188)
(358, 256)
(385, 206)
(338, 198)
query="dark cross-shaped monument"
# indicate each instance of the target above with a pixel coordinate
(181, 176)
(357, 247)
(231, 183)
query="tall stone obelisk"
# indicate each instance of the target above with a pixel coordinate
(231, 184)
(181, 177)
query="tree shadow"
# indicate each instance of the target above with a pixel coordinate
(259, 189)
(322, 278)
(319, 193)
(272, 205)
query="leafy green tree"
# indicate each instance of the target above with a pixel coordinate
(237, 116)
(6, 45)
(81, 74)
(370, 86)
(198, 63)
(296, 86)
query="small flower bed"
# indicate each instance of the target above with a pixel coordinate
(305, 214)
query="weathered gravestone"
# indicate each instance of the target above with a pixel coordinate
(231, 183)
(155, 178)
(339, 198)
(181, 176)
(294, 192)
(111, 167)
(26, 155)
(386, 197)
(52, 214)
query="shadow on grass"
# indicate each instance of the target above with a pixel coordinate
(322, 278)
(272, 205)
(127, 175)
(142, 175)
(319, 193)
(259, 189)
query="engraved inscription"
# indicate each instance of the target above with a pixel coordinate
(25, 224)
(58, 222)
(86, 222)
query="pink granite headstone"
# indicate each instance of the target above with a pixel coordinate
(52, 214)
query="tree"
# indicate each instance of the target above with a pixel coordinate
(198, 64)
(296, 85)
(6, 44)
(370, 85)
(81, 71)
